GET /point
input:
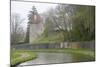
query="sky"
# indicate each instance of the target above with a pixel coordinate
(23, 8)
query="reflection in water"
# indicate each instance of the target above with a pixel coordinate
(49, 58)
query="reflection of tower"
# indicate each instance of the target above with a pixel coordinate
(35, 27)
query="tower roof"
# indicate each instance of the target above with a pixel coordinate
(36, 19)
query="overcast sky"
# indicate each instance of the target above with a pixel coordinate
(23, 8)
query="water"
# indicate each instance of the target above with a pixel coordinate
(51, 58)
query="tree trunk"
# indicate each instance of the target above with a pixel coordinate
(27, 34)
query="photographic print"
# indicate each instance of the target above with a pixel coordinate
(51, 33)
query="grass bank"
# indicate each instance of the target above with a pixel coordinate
(20, 56)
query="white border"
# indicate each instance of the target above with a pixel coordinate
(82, 2)
(4, 33)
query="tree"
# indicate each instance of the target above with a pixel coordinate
(76, 22)
(84, 23)
(31, 18)
(32, 15)
(16, 28)
(64, 14)
(60, 17)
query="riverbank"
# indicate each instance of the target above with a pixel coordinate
(80, 55)
(68, 50)
(21, 56)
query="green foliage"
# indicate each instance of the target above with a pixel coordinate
(84, 23)
(48, 27)
(54, 38)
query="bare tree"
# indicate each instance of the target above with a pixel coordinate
(60, 17)
(16, 28)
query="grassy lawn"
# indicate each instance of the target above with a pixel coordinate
(20, 56)
(51, 38)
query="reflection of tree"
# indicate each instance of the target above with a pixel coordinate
(16, 28)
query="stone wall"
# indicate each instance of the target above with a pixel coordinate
(74, 45)
(35, 46)
(87, 45)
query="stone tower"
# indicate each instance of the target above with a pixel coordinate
(36, 28)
